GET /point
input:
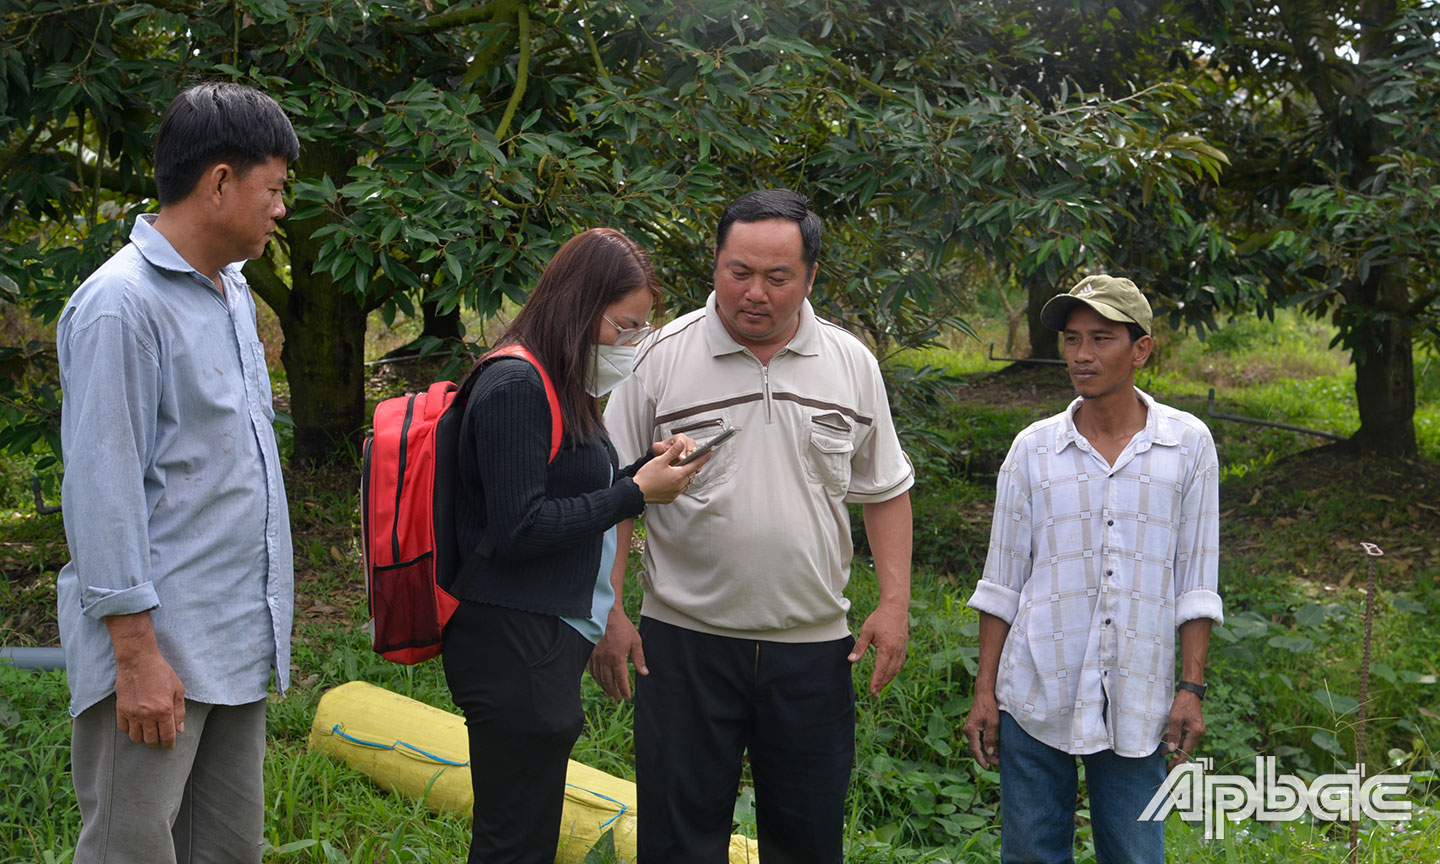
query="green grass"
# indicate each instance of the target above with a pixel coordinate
(1284, 670)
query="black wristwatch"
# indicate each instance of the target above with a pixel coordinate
(1197, 689)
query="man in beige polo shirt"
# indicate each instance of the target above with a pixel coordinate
(746, 646)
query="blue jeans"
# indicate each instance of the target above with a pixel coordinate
(1038, 785)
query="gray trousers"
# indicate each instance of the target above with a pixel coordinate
(202, 802)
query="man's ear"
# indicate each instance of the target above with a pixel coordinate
(217, 180)
(810, 285)
(1143, 346)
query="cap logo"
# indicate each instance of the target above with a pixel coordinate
(1087, 290)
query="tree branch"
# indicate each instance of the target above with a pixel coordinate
(1296, 18)
(502, 12)
(1421, 302)
(266, 282)
(522, 74)
(141, 185)
(21, 150)
(594, 48)
(846, 72)
(453, 18)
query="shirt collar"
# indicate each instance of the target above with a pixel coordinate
(805, 340)
(1158, 429)
(156, 249)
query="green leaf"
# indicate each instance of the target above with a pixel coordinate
(1385, 671)
(424, 235)
(1326, 740)
(1402, 603)
(1336, 704)
(1311, 615)
(1293, 644)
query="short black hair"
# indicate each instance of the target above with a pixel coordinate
(765, 204)
(1135, 331)
(218, 122)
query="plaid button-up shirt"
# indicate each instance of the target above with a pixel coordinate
(1094, 566)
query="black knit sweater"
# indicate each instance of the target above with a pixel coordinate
(544, 523)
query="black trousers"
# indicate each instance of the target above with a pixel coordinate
(516, 677)
(708, 700)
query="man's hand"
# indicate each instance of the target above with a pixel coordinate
(982, 729)
(888, 629)
(149, 701)
(149, 698)
(610, 661)
(1187, 725)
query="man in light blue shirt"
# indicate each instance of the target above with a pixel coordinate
(178, 598)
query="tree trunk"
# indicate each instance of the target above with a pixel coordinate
(446, 327)
(1385, 373)
(442, 326)
(324, 329)
(1044, 343)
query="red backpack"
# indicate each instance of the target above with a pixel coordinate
(407, 499)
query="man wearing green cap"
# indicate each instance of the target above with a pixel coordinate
(1104, 546)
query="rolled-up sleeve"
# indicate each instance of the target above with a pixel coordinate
(1008, 562)
(1197, 556)
(112, 391)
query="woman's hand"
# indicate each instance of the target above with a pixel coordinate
(687, 445)
(661, 479)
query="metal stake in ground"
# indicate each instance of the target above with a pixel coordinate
(1373, 552)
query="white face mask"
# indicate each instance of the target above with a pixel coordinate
(610, 365)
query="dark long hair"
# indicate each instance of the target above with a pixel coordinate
(557, 323)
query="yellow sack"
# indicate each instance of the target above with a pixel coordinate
(410, 747)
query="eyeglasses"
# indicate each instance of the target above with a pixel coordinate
(628, 335)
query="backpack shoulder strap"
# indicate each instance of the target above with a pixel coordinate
(557, 426)
(557, 430)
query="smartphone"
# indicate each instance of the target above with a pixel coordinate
(709, 445)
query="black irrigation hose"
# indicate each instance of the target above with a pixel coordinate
(1034, 361)
(1210, 409)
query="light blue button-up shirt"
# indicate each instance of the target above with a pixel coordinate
(173, 497)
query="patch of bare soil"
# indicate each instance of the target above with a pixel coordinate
(1018, 386)
(1309, 513)
(28, 619)
(388, 379)
(323, 521)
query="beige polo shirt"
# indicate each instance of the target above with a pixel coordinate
(759, 546)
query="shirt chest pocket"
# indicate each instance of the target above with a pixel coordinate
(721, 466)
(829, 450)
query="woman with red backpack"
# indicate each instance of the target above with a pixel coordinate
(536, 600)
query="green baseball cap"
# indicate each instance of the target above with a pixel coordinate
(1114, 298)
